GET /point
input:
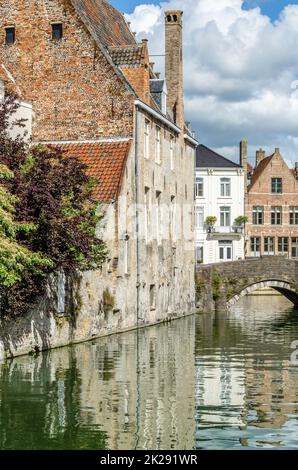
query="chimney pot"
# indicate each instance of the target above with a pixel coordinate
(260, 155)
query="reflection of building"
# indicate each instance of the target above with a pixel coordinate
(219, 193)
(220, 387)
(246, 386)
(135, 390)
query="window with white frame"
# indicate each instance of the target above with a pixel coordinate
(158, 217)
(157, 144)
(293, 215)
(276, 215)
(269, 246)
(147, 139)
(172, 142)
(199, 254)
(225, 216)
(225, 187)
(173, 218)
(276, 185)
(283, 245)
(258, 215)
(199, 217)
(199, 187)
(294, 250)
(255, 246)
(147, 215)
(126, 254)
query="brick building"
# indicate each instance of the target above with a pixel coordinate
(271, 205)
(95, 94)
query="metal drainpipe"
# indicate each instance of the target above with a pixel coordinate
(138, 369)
(137, 129)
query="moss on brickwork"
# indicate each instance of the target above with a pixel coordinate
(217, 281)
(108, 301)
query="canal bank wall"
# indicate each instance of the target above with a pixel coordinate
(74, 310)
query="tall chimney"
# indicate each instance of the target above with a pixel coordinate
(260, 155)
(174, 65)
(243, 161)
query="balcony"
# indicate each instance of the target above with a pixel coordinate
(234, 232)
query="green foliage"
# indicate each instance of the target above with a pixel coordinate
(241, 220)
(15, 259)
(211, 220)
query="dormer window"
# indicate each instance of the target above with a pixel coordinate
(57, 31)
(10, 36)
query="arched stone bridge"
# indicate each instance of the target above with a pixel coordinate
(219, 286)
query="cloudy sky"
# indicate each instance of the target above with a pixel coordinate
(241, 69)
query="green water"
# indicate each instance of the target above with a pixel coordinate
(206, 382)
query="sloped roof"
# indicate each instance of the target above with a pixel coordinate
(260, 168)
(105, 161)
(106, 21)
(207, 158)
(127, 55)
(157, 85)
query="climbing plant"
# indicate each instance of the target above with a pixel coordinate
(54, 196)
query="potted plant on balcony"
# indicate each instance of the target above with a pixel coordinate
(210, 222)
(239, 223)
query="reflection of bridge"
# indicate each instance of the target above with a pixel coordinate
(221, 285)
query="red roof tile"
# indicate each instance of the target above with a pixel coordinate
(105, 161)
(132, 55)
(108, 24)
(259, 169)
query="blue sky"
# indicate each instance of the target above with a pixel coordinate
(271, 8)
(240, 70)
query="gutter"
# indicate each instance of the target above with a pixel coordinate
(160, 117)
(191, 140)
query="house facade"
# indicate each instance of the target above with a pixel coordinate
(219, 194)
(94, 93)
(271, 207)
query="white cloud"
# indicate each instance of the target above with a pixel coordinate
(239, 67)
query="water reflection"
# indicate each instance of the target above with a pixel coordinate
(134, 390)
(211, 381)
(247, 388)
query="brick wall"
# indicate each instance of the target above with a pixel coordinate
(75, 92)
(259, 194)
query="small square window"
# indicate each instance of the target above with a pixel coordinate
(10, 36)
(57, 31)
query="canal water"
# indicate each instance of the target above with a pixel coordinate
(202, 382)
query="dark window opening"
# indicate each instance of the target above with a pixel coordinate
(175, 18)
(169, 18)
(10, 36)
(57, 32)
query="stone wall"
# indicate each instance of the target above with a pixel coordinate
(218, 284)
